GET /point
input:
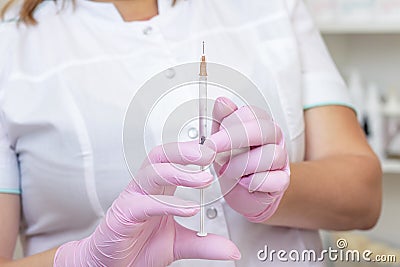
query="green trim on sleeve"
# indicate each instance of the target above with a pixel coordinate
(305, 107)
(10, 191)
(9, 20)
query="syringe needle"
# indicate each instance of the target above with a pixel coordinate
(202, 130)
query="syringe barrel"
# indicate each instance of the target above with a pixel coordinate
(202, 108)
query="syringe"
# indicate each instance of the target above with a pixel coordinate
(202, 129)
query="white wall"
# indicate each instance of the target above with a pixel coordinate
(376, 56)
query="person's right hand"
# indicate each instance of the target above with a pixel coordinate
(139, 228)
(252, 164)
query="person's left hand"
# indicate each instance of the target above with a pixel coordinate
(253, 165)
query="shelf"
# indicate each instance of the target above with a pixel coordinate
(366, 27)
(391, 166)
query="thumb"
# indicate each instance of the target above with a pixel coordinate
(223, 107)
(211, 247)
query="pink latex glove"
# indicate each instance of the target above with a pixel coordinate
(254, 178)
(139, 228)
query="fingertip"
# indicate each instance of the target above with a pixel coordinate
(189, 211)
(252, 188)
(286, 182)
(200, 180)
(223, 107)
(209, 180)
(232, 251)
(279, 135)
(194, 153)
(256, 183)
(268, 182)
(227, 103)
(236, 255)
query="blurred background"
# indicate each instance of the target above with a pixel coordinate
(363, 37)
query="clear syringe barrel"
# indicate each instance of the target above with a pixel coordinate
(202, 109)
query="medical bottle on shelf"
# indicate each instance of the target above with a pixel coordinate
(357, 94)
(391, 111)
(374, 118)
(388, 10)
(356, 10)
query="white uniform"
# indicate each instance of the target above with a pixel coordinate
(66, 83)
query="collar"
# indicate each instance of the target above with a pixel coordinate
(107, 10)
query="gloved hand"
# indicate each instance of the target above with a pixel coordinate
(139, 228)
(254, 179)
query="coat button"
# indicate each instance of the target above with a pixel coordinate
(193, 133)
(147, 30)
(170, 73)
(211, 213)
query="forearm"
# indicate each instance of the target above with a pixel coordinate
(337, 193)
(44, 259)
